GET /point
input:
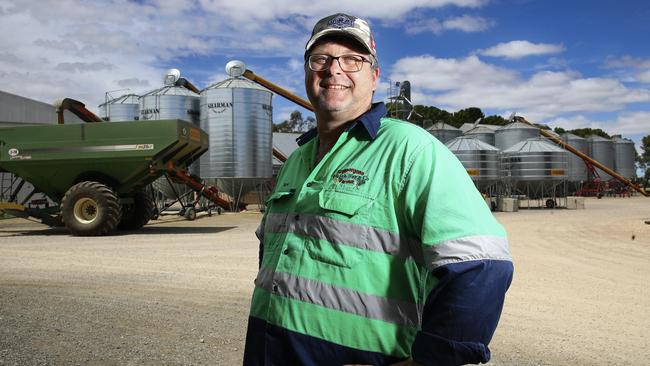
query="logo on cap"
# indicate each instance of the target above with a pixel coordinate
(341, 21)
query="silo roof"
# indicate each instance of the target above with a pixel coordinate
(597, 138)
(570, 136)
(468, 143)
(172, 90)
(620, 140)
(237, 82)
(517, 125)
(480, 129)
(535, 144)
(123, 99)
(442, 126)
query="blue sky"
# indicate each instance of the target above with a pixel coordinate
(564, 63)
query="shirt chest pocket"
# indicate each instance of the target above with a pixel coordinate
(341, 230)
(276, 215)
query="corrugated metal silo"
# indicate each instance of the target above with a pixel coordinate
(534, 162)
(576, 168)
(444, 132)
(480, 159)
(624, 157)
(123, 108)
(238, 116)
(170, 102)
(513, 133)
(482, 133)
(602, 150)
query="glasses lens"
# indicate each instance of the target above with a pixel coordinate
(348, 63)
(318, 62)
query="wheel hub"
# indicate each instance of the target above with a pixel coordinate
(85, 210)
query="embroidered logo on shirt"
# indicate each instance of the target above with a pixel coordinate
(350, 176)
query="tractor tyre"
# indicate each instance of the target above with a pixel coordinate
(90, 209)
(138, 214)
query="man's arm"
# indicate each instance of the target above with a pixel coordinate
(466, 253)
(461, 313)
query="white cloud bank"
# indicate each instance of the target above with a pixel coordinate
(627, 123)
(460, 83)
(465, 23)
(632, 68)
(80, 49)
(520, 49)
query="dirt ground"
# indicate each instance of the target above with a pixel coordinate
(178, 292)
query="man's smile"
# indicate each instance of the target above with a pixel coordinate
(334, 86)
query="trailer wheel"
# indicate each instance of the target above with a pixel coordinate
(550, 203)
(139, 213)
(190, 214)
(90, 209)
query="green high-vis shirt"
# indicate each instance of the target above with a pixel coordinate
(350, 242)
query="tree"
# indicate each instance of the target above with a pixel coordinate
(295, 123)
(430, 114)
(643, 160)
(467, 115)
(495, 120)
(586, 132)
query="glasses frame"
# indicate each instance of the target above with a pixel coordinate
(328, 62)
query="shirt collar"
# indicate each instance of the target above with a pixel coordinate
(371, 120)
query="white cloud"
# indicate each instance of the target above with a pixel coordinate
(519, 49)
(644, 76)
(459, 83)
(465, 23)
(112, 44)
(283, 9)
(626, 124)
(448, 73)
(627, 62)
(468, 23)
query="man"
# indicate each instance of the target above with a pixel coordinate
(376, 247)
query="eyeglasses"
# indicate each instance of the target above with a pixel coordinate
(347, 63)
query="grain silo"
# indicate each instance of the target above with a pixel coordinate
(238, 116)
(172, 101)
(602, 150)
(444, 132)
(624, 157)
(536, 169)
(175, 100)
(482, 133)
(122, 108)
(480, 159)
(513, 133)
(576, 167)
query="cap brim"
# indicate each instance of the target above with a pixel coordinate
(346, 32)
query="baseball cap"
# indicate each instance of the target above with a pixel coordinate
(346, 26)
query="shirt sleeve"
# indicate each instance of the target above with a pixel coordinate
(465, 251)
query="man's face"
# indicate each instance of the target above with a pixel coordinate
(338, 93)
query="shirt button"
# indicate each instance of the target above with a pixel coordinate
(286, 251)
